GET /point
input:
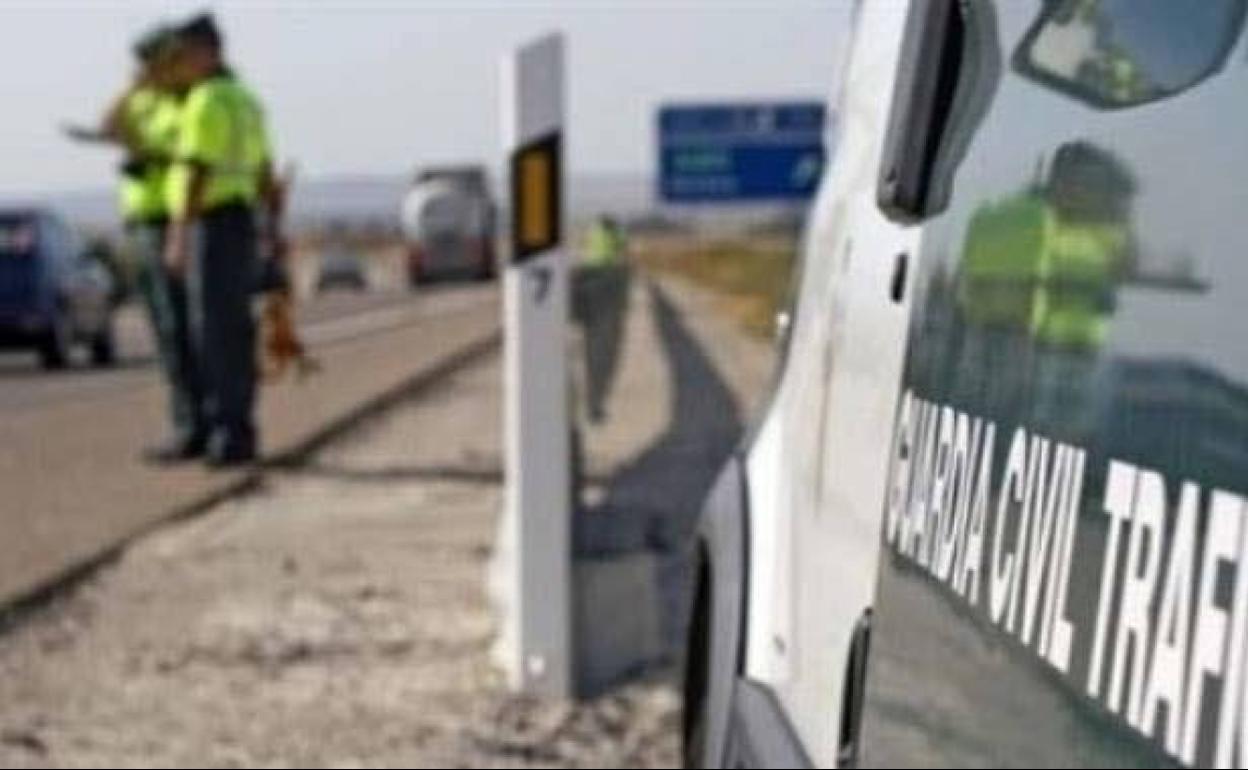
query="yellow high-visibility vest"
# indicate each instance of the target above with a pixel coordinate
(152, 117)
(1023, 268)
(221, 129)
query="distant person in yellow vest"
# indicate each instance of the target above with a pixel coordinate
(221, 180)
(605, 243)
(144, 122)
(599, 304)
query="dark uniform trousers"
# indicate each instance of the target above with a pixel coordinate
(221, 280)
(165, 298)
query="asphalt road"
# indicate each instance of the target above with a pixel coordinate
(71, 486)
(25, 384)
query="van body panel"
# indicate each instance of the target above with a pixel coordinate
(1064, 570)
(1031, 465)
(814, 499)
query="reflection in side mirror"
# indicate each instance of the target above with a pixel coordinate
(1121, 53)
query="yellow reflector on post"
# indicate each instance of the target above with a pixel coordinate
(535, 213)
(535, 191)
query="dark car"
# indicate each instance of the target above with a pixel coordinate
(53, 293)
(341, 269)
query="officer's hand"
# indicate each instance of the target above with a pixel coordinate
(83, 134)
(273, 245)
(176, 251)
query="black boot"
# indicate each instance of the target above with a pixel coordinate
(232, 452)
(175, 451)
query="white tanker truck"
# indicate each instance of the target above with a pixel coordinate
(448, 225)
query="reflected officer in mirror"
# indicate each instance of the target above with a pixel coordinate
(1038, 285)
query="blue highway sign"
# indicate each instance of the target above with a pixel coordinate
(740, 152)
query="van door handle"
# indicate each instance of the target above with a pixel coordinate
(901, 270)
(854, 696)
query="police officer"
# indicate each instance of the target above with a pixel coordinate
(144, 121)
(599, 303)
(220, 177)
(604, 244)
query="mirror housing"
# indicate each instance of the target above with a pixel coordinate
(1116, 54)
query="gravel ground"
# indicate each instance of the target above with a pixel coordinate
(335, 617)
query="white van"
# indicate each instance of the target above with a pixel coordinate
(996, 513)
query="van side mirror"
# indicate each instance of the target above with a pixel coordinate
(1114, 54)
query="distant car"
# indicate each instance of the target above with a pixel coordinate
(53, 293)
(341, 269)
(448, 224)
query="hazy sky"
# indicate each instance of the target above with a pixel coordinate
(379, 87)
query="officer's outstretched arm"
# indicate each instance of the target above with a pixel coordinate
(113, 128)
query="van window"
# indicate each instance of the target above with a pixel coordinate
(1120, 53)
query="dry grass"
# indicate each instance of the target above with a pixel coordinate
(751, 275)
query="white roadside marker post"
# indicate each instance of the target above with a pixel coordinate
(535, 647)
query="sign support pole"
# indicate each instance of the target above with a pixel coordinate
(534, 564)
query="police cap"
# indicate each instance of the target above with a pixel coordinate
(152, 42)
(201, 29)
